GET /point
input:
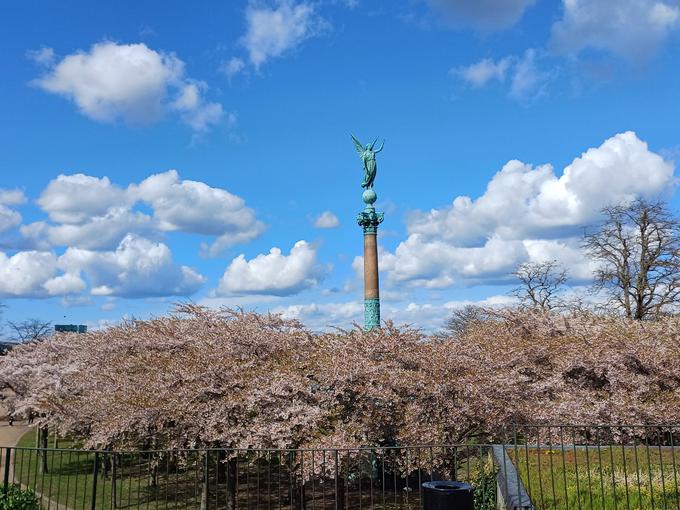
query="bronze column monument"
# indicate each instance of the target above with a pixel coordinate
(369, 220)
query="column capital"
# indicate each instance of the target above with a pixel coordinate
(369, 220)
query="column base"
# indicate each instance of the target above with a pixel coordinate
(371, 313)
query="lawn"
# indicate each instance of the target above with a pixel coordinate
(599, 478)
(70, 476)
(265, 482)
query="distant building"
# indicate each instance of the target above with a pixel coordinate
(70, 328)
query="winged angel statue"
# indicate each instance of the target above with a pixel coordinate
(367, 155)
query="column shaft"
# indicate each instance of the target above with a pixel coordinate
(371, 267)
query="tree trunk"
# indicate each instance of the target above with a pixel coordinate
(205, 473)
(153, 471)
(226, 474)
(43, 433)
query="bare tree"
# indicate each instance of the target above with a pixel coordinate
(462, 318)
(540, 284)
(30, 329)
(638, 252)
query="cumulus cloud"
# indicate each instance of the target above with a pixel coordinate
(199, 115)
(24, 274)
(526, 213)
(75, 198)
(93, 213)
(137, 268)
(633, 29)
(131, 82)
(327, 220)
(273, 31)
(484, 14)
(9, 218)
(273, 273)
(193, 206)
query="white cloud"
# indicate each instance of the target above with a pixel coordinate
(484, 14)
(633, 29)
(75, 198)
(528, 80)
(193, 206)
(327, 220)
(24, 273)
(93, 213)
(319, 316)
(526, 77)
(430, 317)
(232, 67)
(65, 284)
(43, 56)
(272, 31)
(9, 218)
(137, 268)
(99, 232)
(526, 213)
(273, 273)
(130, 82)
(482, 72)
(200, 116)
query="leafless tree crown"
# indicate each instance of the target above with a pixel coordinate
(540, 284)
(30, 329)
(637, 249)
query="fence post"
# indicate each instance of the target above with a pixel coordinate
(95, 472)
(8, 453)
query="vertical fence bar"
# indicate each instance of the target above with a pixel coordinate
(675, 472)
(564, 468)
(649, 468)
(5, 476)
(538, 460)
(637, 468)
(586, 435)
(663, 477)
(599, 463)
(578, 484)
(95, 472)
(625, 468)
(514, 441)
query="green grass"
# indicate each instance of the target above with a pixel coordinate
(597, 479)
(69, 480)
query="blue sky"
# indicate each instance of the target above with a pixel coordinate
(153, 152)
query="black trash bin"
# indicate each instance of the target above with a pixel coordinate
(447, 495)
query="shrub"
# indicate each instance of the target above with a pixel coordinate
(13, 497)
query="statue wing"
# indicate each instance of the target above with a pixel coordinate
(357, 145)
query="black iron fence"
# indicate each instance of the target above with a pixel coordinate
(325, 479)
(598, 467)
(542, 467)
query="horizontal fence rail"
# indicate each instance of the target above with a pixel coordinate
(547, 467)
